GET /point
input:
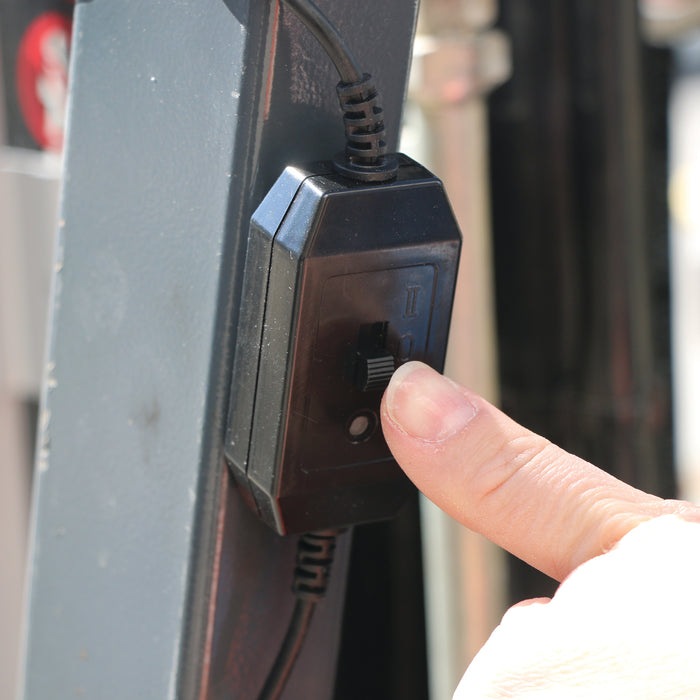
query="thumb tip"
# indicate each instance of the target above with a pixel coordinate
(424, 405)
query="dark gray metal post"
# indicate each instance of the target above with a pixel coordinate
(149, 577)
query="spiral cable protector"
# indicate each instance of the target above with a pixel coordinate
(364, 121)
(315, 552)
(365, 156)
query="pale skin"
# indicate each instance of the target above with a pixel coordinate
(625, 621)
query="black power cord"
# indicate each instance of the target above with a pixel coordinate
(314, 558)
(329, 38)
(365, 157)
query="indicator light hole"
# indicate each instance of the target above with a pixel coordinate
(361, 426)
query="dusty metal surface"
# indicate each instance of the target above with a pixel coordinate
(149, 576)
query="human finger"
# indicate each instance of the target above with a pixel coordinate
(541, 503)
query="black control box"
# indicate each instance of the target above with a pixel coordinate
(344, 281)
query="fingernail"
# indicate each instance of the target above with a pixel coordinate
(425, 404)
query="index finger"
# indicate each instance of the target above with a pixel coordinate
(542, 504)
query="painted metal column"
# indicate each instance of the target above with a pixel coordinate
(149, 577)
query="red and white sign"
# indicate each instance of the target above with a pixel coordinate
(42, 78)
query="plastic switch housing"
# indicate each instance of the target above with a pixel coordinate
(343, 282)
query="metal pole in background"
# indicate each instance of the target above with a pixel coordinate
(149, 577)
(579, 179)
(457, 60)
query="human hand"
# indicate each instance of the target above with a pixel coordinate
(625, 622)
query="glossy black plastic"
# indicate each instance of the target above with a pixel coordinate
(343, 282)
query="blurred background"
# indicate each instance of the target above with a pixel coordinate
(34, 41)
(566, 134)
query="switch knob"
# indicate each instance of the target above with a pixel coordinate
(374, 372)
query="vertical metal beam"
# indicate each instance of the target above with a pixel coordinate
(578, 179)
(149, 576)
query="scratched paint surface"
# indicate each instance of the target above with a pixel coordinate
(132, 593)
